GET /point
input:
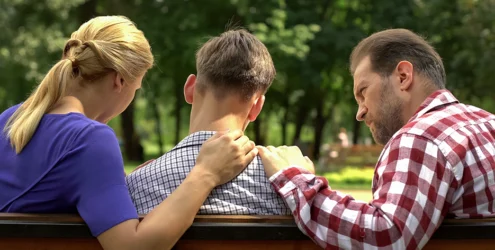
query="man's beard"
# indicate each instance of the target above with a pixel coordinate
(388, 119)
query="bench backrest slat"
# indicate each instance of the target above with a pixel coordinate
(62, 231)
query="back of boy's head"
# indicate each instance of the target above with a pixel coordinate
(236, 62)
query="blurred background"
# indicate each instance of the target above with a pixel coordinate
(310, 104)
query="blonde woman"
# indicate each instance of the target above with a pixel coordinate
(57, 155)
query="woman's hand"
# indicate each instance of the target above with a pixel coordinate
(224, 156)
(221, 158)
(275, 159)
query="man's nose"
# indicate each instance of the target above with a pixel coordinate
(362, 110)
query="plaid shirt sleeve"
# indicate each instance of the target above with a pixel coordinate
(412, 187)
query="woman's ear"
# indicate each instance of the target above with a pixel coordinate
(118, 83)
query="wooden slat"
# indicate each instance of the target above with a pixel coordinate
(460, 245)
(71, 218)
(92, 244)
(309, 245)
(246, 245)
(244, 218)
(468, 221)
(49, 244)
(57, 218)
(212, 232)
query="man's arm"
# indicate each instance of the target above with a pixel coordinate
(413, 190)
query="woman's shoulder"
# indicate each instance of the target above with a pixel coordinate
(9, 112)
(79, 126)
(74, 120)
(69, 122)
(83, 141)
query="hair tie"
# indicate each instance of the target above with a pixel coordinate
(75, 68)
(73, 61)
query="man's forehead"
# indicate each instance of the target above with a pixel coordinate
(361, 71)
(358, 81)
(362, 67)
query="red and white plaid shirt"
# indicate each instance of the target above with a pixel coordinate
(441, 163)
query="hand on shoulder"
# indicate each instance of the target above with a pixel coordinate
(277, 158)
(224, 156)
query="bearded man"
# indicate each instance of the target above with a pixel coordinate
(438, 159)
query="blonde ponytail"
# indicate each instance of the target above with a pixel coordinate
(22, 124)
(100, 46)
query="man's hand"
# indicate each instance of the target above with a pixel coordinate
(224, 156)
(275, 159)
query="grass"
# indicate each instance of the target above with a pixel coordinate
(351, 176)
(360, 195)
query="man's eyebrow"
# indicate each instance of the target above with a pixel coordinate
(359, 86)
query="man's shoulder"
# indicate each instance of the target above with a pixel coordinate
(454, 130)
(176, 158)
(442, 123)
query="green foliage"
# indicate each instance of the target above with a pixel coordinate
(351, 176)
(310, 42)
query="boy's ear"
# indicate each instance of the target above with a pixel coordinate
(189, 88)
(256, 108)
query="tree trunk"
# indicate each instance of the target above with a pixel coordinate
(87, 11)
(258, 134)
(156, 114)
(356, 131)
(177, 111)
(319, 124)
(132, 146)
(302, 114)
(285, 122)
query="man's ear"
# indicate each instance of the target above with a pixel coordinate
(256, 108)
(118, 83)
(405, 74)
(189, 88)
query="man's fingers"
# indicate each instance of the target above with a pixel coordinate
(234, 134)
(307, 159)
(272, 149)
(264, 152)
(250, 156)
(242, 141)
(247, 147)
(294, 150)
(310, 165)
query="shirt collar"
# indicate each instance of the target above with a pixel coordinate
(436, 99)
(194, 139)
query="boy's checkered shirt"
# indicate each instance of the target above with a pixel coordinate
(248, 193)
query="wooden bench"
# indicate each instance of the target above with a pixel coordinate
(54, 232)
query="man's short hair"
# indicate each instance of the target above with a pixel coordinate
(387, 48)
(234, 62)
